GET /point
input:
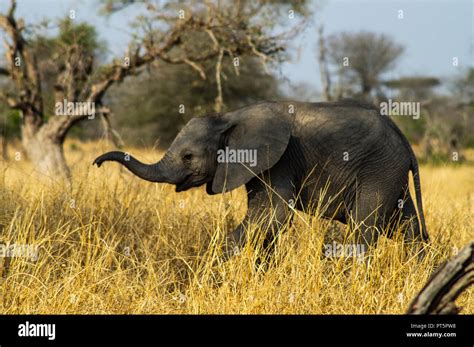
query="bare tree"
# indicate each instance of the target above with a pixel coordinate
(361, 58)
(226, 30)
(323, 67)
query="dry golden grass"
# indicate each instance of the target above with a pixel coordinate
(116, 244)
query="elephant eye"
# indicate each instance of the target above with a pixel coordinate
(188, 157)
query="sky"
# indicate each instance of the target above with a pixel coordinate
(433, 32)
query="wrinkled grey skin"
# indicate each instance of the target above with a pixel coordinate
(358, 157)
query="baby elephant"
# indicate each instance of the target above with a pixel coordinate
(293, 155)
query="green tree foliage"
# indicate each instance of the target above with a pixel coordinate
(446, 124)
(462, 86)
(147, 107)
(360, 60)
(413, 87)
(9, 123)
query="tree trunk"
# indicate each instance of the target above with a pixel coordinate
(45, 151)
(366, 90)
(323, 68)
(4, 141)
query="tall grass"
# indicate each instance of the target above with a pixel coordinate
(112, 243)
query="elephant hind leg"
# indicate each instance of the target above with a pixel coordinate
(368, 218)
(367, 232)
(409, 218)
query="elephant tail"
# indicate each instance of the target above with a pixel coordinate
(416, 179)
(419, 202)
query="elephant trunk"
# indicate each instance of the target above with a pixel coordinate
(149, 172)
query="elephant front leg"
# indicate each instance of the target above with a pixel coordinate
(270, 209)
(278, 217)
(235, 241)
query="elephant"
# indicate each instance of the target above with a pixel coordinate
(290, 156)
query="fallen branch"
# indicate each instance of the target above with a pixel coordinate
(450, 280)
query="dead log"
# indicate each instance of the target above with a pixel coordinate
(445, 285)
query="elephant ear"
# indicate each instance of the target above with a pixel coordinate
(262, 134)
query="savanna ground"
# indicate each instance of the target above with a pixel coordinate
(116, 244)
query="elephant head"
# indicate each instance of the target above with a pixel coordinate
(192, 159)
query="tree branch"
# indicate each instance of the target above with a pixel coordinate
(219, 101)
(109, 132)
(196, 67)
(11, 101)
